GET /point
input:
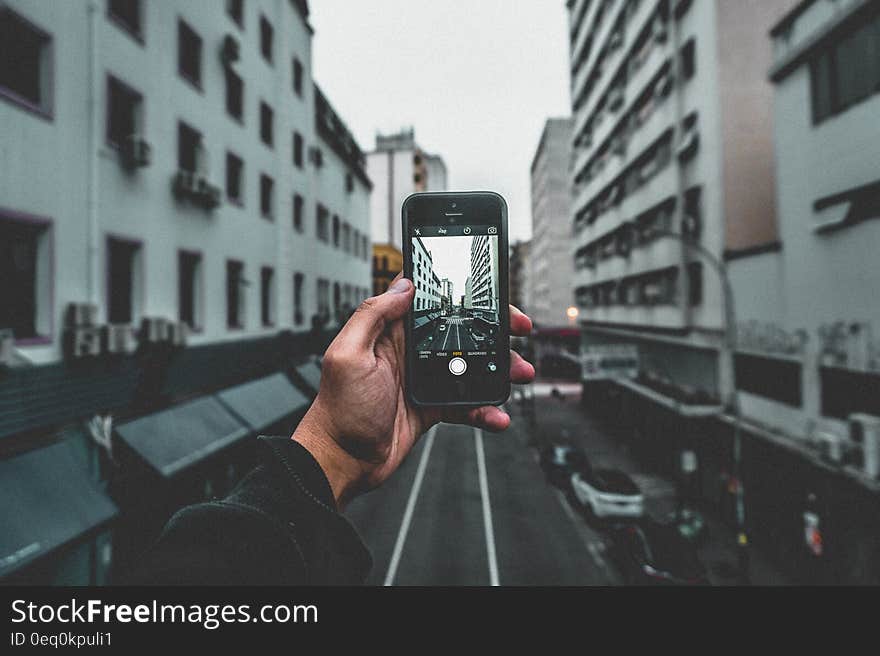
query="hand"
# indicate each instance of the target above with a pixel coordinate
(361, 426)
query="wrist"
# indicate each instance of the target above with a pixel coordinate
(343, 471)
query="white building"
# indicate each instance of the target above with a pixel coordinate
(447, 292)
(175, 160)
(671, 132)
(468, 293)
(429, 292)
(549, 269)
(483, 278)
(398, 167)
(809, 328)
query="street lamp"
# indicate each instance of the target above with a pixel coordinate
(729, 354)
(572, 314)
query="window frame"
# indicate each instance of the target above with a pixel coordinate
(241, 310)
(138, 35)
(267, 297)
(267, 129)
(45, 227)
(195, 83)
(270, 215)
(139, 119)
(198, 325)
(139, 276)
(298, 150)
(45, 109)
(240, 199)
(264, 23)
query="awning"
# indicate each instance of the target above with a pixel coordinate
(48, 501)
(182, 435)
(263, 402)
(311, 373)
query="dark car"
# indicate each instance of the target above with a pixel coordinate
(559, 461)
(651, 553)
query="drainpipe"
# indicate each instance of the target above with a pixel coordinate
(94, 131)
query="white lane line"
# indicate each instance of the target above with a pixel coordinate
(410, 507)
(487, 508)
(593, 548)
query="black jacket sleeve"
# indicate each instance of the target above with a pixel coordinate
(279, 526)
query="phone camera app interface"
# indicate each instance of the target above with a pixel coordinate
(456, 308)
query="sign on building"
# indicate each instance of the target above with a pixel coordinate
(609, 361)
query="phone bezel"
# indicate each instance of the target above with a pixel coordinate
(441, 203)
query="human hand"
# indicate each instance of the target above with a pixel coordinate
(361, 426)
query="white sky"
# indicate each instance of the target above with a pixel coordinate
(476, 78)
(451, 258)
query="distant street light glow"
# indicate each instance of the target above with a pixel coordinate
(572, 313)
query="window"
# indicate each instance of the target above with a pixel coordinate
(346, 237)
(189, 289)
(267, 34)
(234, 94)
(266, 127)
(364, 247)
(689, 59)
(298, 149)
(25, 63)
(323, 298)
(297, 76)
(337, 300)
(235, 9)
(335, 231)
(123, 112)
(848, 71)
(298, 213)
(234, 294)
(25, 269)
(234, 177)
(321, 225)
(126, 14)
(772, 378)
(189, 148)
(123, 281)
(267, 191)
(349, 182)
(267, 295)
(298, 279)
(189, 54)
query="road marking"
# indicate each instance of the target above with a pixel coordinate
(487, 508)
(410, 507)
(593, 548)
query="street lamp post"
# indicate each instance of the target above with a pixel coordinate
(729, 354)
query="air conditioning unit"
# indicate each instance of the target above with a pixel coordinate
(80, 315)
(82, 342)
(831, 447)
(663, 86)
(177, 333)
(316, 155)
(230, 50)
(864, 430)
(117, 338)
(153, 330)
(7, 347)
(135, 152)
(185, 184)
(690, 142)
(211, 196)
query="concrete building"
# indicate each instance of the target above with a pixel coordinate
(180, 208)
(809, 328)
(671, 131)
(518, 269)
(428, 287)
(468, 301)
(550, 252)
(446, 293)
(398, 167)
(484, 278)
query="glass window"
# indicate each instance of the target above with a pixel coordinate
(189, 268)
(123, 108)
(189, 54)
(234, 176)
(25, 61)
(267, 35)
(24, 269)
(127, 14)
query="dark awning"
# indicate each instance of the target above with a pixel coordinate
(261, 403)
(181, 436)
(48, 501)
(310, 372)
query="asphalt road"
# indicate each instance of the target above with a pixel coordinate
(450, 334)
(472, 508)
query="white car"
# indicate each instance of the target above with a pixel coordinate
(608, 493)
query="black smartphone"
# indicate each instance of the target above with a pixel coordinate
(458, 329)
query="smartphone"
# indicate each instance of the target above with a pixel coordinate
(458, 328)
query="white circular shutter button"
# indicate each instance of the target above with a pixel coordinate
(457, 366)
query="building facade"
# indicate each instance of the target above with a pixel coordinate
(398, 167)
(550, 251)
(484, 278)
(429, 292)
(181, 213)
(671, 133)
(387, 263)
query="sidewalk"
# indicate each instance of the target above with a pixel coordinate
(718, 552)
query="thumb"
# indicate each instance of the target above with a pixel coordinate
(371, 317)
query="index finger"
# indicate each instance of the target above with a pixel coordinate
(520, 324)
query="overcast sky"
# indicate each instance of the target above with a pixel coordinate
(476, 78)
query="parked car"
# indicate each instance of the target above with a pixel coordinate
(650, 553)
(559, 460)
(607, 493)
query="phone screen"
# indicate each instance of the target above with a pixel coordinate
(458, 338)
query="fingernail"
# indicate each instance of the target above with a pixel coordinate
(400, 286)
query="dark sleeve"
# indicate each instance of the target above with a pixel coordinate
(278, 526)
